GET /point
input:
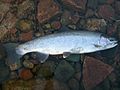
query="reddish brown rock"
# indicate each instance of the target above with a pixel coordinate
(46, 10)
(25, 74)
(106, 12)
(56, 25)
(94, 72)
(25, 36)
(111, 30)
(75, 4)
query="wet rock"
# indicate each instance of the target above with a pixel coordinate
(18, 85)
(23, 37)
(73, 58)
(46, 10)
(111, 30)
(94, 24)
(106, 12)
(28, 64)
(117, 7)
(72, 27)
(73, 84)
(13, 75)
(94, 72)
(64, 71)
(47, 26)
(49, 85)
(78, 67)
(56, 25)
(77, 76)
(93, 4)
(89, 13)
(4, 71)
(106, 1)
(25, 74)
(75, 4)
(24, 25)
(46, 70)
(2, 52)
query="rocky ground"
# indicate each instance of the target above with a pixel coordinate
(24, 20)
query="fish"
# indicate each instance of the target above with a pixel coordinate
(66, 43)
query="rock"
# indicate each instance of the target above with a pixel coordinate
(72, 27)
(18, 85)
(47, 26)
(76, 5)
(7, 1)
(46, 10)
(111, 30)
(94, 24)
(25, 74)
(23, 37)
(73, 58)
(46, 70)
(24, 25)
(106, 1)
(2, 52)
(28, 64)
(4, 71)
(78, 76)
(13, 75)
(73, 84)
(89, 13)
(64, 71)
(117, 6)
(56, 25)
(78, 67)
(94, 72)
(93, 4)
(106, 12)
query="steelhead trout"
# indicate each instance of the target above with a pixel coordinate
(67, 43)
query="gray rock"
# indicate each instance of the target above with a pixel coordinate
(2, 52)
(73, 84)
(64, 71)
(73, 58)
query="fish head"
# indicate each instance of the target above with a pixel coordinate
(107, 42)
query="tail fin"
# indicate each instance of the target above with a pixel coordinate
(12, 57)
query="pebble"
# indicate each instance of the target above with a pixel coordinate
(28, 64)
(73, 84)
(13, 75)
(106, 12)
(23, 37)
(24, 25)
(25, 74)
(56, 25)
(89, 13)
(72, 27)
(64, 71)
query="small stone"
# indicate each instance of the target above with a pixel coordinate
(25, 74)
(75, 4)
(94, 24)
(26, 36)
(2, 52)
(47, 26)
(14, 66)
(24, 25)
(73, 58)
(111, 30)
(46, 70)
(28, 64)
(56, 25)
(73, 84)
(46, 10)
(72, 27)
(89, 13)
(13, 75)
(93, 4)
(106, 12)
(64, 71)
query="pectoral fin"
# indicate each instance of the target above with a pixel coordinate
(42, 57)
(66, 54)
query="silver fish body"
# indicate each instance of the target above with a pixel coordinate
(73, 42)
